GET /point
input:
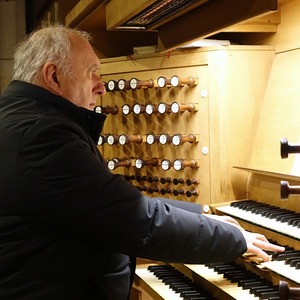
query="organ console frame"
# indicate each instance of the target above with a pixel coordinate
(217, 97)
(225, 113)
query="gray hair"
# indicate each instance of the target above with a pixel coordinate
(44, 45)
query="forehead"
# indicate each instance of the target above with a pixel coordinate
(83, 52)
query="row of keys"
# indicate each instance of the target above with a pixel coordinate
(134, 83)
(167, 286)
(247, 280)
(277, 219)
(177, 164)
(285, 263)
(162, 180)
(164, 138)
(164, 191)
(182, 285)
(149, 109)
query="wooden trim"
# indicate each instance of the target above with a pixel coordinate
(120, 11)
(197, 23)
(81, 10)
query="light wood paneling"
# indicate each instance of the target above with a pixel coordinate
(279, 117)
(234, 78)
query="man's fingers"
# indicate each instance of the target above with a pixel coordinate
(257, 244)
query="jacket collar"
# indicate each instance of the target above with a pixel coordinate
(90, 121)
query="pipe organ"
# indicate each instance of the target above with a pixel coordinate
(183, 126)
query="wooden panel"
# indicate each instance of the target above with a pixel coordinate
(82, 10)
(117, 43)
(238, 82)
(279, 117)
(120, 18)
(185, 123)
(197, 23)
(232, 83)
(267, 23)
(119, 11)
(287, 34)
(267, 189)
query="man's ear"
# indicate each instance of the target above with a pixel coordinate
(50, 78)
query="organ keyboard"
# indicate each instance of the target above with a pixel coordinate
(280, 220)
(284, 225)
(248, 278)
(212, 281)
(167, 282)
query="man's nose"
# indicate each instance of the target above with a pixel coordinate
(100, 87)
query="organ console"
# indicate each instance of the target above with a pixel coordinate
(200, 168)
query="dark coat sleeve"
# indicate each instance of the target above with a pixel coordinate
(189, 206)
(64, 182)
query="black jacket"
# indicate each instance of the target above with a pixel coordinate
(65, 218)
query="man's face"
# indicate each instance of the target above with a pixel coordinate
(83, 87)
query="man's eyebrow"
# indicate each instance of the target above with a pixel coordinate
(94, 67)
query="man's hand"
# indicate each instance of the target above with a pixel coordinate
(256, 243)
